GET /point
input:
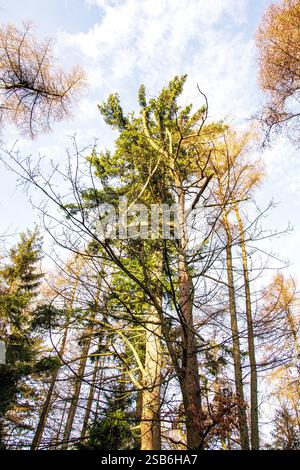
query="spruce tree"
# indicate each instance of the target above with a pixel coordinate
(20, 280)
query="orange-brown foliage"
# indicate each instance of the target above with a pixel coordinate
(278, 40)
(33, 92)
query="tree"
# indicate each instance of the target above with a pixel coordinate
(113, 430)
(286, 433)
(164, 152)
(281, 310)
(251, 337)
(174, 147)
(20, 282)
(278, 41)
(85, 342)
(46, 321)
(237, 176)
(33, 92)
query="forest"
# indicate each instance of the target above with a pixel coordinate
(145, 309)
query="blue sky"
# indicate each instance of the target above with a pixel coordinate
(122, 43)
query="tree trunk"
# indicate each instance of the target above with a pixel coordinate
(293, 327)
(46, 407)
(150, 419)
(77, 388)
(60, 427)
(243, 426)
(251, 344)
(190, 380)
(89, 401)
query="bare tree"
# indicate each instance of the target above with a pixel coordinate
(34, 92)
(278, 41)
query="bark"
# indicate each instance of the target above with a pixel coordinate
(190, 380)
(76, 393)
(100, 378)
(139, 403)
(293, 327)
(251, 343)
(47, 405)
(89, 400)
(238, 376)
(80, 374)
(60, 427)
(150, 418)
(98, 366)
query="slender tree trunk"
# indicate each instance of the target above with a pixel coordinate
(243, 426)
(150, 424)
(293, 328)
(139, 404)
(44, 414)
(60, 427)
(89, 400)
(80, 373)
(77, 389)
(150, 418)
(99, 380)
(46, 407)
(190, 380)
(251, 343)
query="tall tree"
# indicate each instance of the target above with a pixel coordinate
(72, 269)
(34, 92)
(20, 280)
(278, 41)
(286, 433)
(236, 186)
(174, 148)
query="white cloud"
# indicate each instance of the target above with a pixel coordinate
(145, 41)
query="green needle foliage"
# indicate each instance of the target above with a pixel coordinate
(20, 280)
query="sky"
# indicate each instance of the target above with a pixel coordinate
(123, 43)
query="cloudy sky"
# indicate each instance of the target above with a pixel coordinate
(123, 43)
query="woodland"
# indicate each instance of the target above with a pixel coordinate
(179, 334)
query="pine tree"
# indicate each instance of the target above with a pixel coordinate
(113, 431)
(286, 433)
(20, 281)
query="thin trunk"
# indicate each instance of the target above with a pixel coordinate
(77, 389)
(243, 426)
(293, 328)
(99, 380)
(150, 419)
(46, 407)
(190, 380)
(251, 344)
(62, 418)
(80, 373)
(89, 401)
(150, 424)
(139, 406)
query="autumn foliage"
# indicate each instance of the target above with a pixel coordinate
(278, 41)
(33, 91)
